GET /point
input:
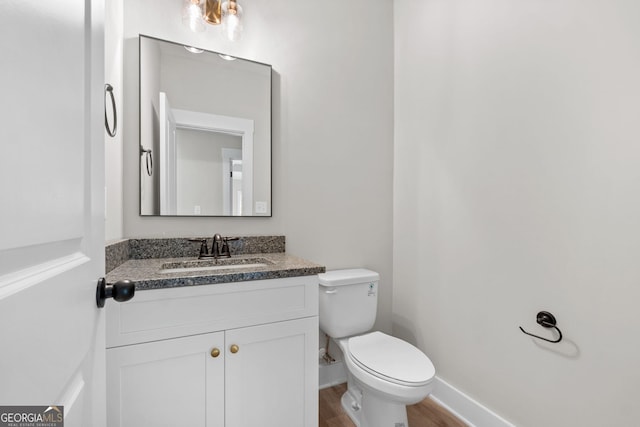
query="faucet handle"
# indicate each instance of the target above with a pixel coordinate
(203, 246)
(224, 251)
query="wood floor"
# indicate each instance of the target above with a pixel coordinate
(424, 414)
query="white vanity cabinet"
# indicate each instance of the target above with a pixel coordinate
(225, 355)
(173, 382)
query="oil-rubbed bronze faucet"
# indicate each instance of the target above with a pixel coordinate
(219, 247)
(216, 245)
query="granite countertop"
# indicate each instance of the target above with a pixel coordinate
(148, 274)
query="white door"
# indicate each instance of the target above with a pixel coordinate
(231, 181)
(52, 207)
(168, 158)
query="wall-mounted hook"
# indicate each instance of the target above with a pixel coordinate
(149, 159)
(108, 89)
(548, 320)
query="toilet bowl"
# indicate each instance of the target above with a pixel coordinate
(384, 373)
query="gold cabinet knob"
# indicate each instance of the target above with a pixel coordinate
(215, 352)
(234, 348)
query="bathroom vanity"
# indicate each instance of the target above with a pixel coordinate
(228, 347)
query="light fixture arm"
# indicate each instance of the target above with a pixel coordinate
(212, 12)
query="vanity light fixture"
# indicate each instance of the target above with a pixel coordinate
(232, 20)
(214, 12)
(192, 16)
(227, 57)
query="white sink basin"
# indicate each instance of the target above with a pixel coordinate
(214, 265)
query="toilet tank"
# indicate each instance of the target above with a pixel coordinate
(348, 301)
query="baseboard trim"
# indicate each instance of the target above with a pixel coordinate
(465, 408)
(331, 374)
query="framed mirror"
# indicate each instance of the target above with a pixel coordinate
(205, 132)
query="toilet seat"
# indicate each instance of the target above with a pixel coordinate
(391, 359)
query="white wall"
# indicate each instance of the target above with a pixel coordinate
(199, 171)
(114, 145)
(516, 189)
(332, 128)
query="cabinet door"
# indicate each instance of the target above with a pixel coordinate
(168, 383)
(272, 378)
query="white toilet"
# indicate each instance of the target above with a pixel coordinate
(384, 373)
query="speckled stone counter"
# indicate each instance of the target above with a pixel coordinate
(148, 273)
(116, 253)
(182, 247)
(151, 263)
(119, 251)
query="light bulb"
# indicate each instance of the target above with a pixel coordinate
(232, 20)
(193, 49)
(192, 16)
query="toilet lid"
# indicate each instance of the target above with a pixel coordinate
(391, 358)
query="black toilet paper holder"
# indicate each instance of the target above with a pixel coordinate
(547, 320)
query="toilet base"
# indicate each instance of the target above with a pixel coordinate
(351, 406)
(366, 409)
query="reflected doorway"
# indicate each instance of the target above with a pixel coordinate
(231, 181)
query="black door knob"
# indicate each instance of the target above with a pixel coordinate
(122, 290)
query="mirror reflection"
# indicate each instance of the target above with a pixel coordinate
(206, 118)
